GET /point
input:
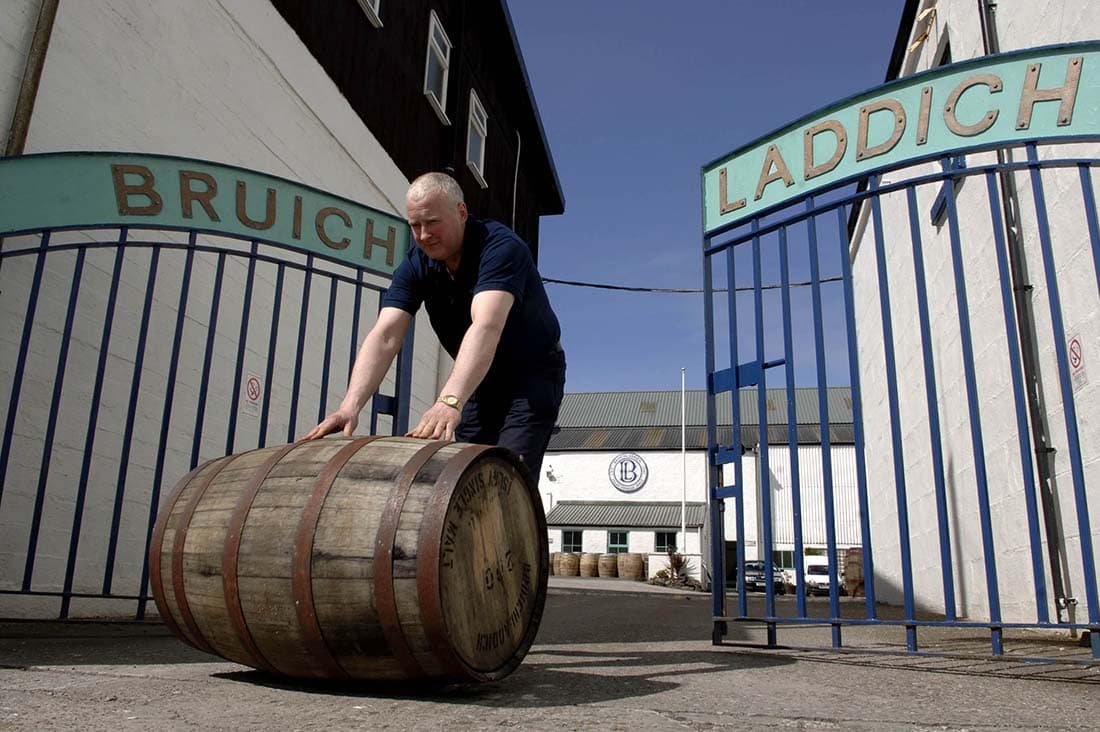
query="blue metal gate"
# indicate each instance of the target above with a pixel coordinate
(94, 431)
(949, 277)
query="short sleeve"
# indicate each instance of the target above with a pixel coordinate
(405, 290)
(505, 264)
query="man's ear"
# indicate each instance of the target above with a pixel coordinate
(463, 213)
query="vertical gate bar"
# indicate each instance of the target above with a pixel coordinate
(303, 320)
(402, 387)
(272, 342)
(1023, 431)
(895, 416)
(131, 416)
(208, 354)
(1069, 408)
(823, 418)
(735, 400)
(763, 464)
(857, 418)
(717, 528)
(21, 362)
(242, 342)
(355, 321)
(89, 437)
(1090, 216)
(947, 572)
(166, 418)
(374, 401)
(792, 423)
(322, 407)
(975, 415)
(51, 425)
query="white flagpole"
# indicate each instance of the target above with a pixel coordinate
(683, 460)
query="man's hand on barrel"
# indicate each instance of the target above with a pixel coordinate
(341, 419)
(438, 423)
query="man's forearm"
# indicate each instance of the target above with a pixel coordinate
(371, 364)
(475, 356)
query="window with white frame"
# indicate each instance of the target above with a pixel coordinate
(372, 9)
(476, 132)
(436, 67)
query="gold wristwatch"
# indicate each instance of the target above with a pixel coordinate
(451, 401)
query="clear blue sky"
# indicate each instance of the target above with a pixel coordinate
(636, 96)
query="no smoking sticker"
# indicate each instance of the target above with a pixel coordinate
(252, 393)
(1077, 362)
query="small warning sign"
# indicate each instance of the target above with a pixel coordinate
(1077, 363)
(253, 392)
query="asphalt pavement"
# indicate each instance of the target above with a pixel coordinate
(610, 655)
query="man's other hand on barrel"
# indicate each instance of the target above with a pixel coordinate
(341, 419)
(438, 423)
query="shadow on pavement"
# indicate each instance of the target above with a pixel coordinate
(547, 678)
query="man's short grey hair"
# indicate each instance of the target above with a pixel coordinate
(436, 182)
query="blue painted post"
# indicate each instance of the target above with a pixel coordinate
(1069, 408)
(764, 474)
(792, 424)
(208, 353)
(735, 399)
(1022, 430)
(51, 426)
(977, 442)
(89, 435)
(895, 418)
(131, 416)
(947, 573)
(857, 419)
(715, 504)
(296, 385)
(272, 342)
(242, 345)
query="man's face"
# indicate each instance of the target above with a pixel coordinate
(437, 224)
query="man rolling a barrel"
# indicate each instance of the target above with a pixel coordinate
(488, 307)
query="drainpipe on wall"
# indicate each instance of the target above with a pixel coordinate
(1023, 291)
(32, 75)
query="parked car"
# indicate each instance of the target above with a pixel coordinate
(817, 579)
(755, 578)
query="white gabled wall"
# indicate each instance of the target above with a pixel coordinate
(1020, 26)
(220, 80)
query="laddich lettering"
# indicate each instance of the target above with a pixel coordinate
(124, 190)
(242, 213)
(774, 166)
(189, 195)
(320, 226)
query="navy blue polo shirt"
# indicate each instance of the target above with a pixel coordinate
(493, 258)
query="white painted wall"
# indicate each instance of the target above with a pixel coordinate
(1020, 25)
(211, 79)
(583, 476)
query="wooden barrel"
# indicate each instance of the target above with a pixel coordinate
(590, 565)
(555, 563)
(569, 565)
(631, 566)
(609, 565)
(367, 558)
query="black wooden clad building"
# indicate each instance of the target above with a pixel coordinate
(380, 69)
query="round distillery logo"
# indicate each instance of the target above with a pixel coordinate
(628, 472)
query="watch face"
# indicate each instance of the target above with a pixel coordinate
(450, 400)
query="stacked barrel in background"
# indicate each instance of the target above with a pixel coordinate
(625, 565)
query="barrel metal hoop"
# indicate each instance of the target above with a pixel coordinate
(156, 548)
(301, 578)
(384, 596)
(428, 551)
(229, 558)
(178, 545)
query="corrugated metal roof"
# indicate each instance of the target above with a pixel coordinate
(573, 439)
(662, 408)
(625, 514)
